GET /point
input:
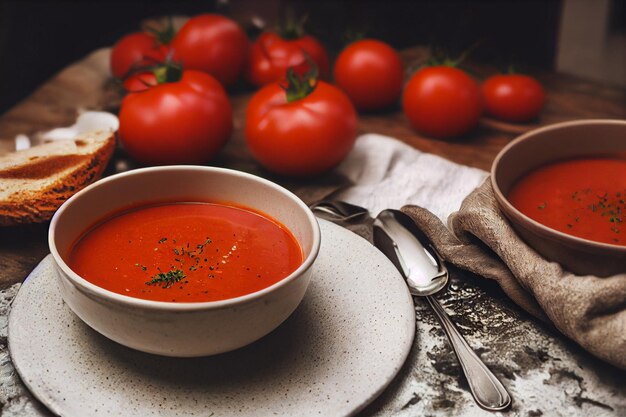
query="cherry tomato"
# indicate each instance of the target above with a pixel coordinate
(371, 74)
(270, 56)
(304, 137)
(181, 122)
(213, 44)
(134, 51)
(442, 101)
(513, 97)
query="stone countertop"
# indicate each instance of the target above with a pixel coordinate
(545, 373)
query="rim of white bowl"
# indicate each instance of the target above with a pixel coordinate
(182, 306)
(545, 230)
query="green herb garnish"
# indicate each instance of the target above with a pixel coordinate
(167, 279)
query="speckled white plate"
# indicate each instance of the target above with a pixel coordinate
(332, 357)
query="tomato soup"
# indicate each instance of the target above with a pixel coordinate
(581, 197)
(186, 252)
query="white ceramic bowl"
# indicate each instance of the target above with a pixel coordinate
(182, 329)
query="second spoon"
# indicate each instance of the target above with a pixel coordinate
(397, 236)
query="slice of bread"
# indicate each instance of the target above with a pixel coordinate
(36, 181)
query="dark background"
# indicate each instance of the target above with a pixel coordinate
(38, 38)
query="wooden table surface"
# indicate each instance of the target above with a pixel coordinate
(86, 85)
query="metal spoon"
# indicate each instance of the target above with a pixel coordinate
(397, 236)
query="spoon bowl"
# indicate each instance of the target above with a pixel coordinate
(397, 236)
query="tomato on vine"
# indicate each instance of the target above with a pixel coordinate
(138, 50)
(302, 128)
(176, 117)
(371, 73)
(139, 81)
(513, 97)
(272, 53)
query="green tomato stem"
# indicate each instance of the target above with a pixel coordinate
(170, 72)
(299, 86)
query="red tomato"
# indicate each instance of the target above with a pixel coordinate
(304, 137)
(134, 51)
(371, 74)
(513, 97)
(442, 101)
(213, 44)
(139, 82)
(181, 122)
(271, 55)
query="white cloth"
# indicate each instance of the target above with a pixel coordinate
(387, 173)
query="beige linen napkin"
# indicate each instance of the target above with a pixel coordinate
(587, 309)
(385, 173)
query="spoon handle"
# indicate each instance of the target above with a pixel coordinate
(487, 390)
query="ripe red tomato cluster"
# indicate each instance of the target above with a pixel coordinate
(179, 111)
(444, 101)
(210, 43)
(171, 115)
(271, 55)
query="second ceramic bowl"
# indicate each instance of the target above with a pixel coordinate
(560, 141)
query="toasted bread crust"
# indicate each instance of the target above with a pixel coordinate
(36, 206)
(42, 167)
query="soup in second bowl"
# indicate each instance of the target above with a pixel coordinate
(186, 252)
(581, 197)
